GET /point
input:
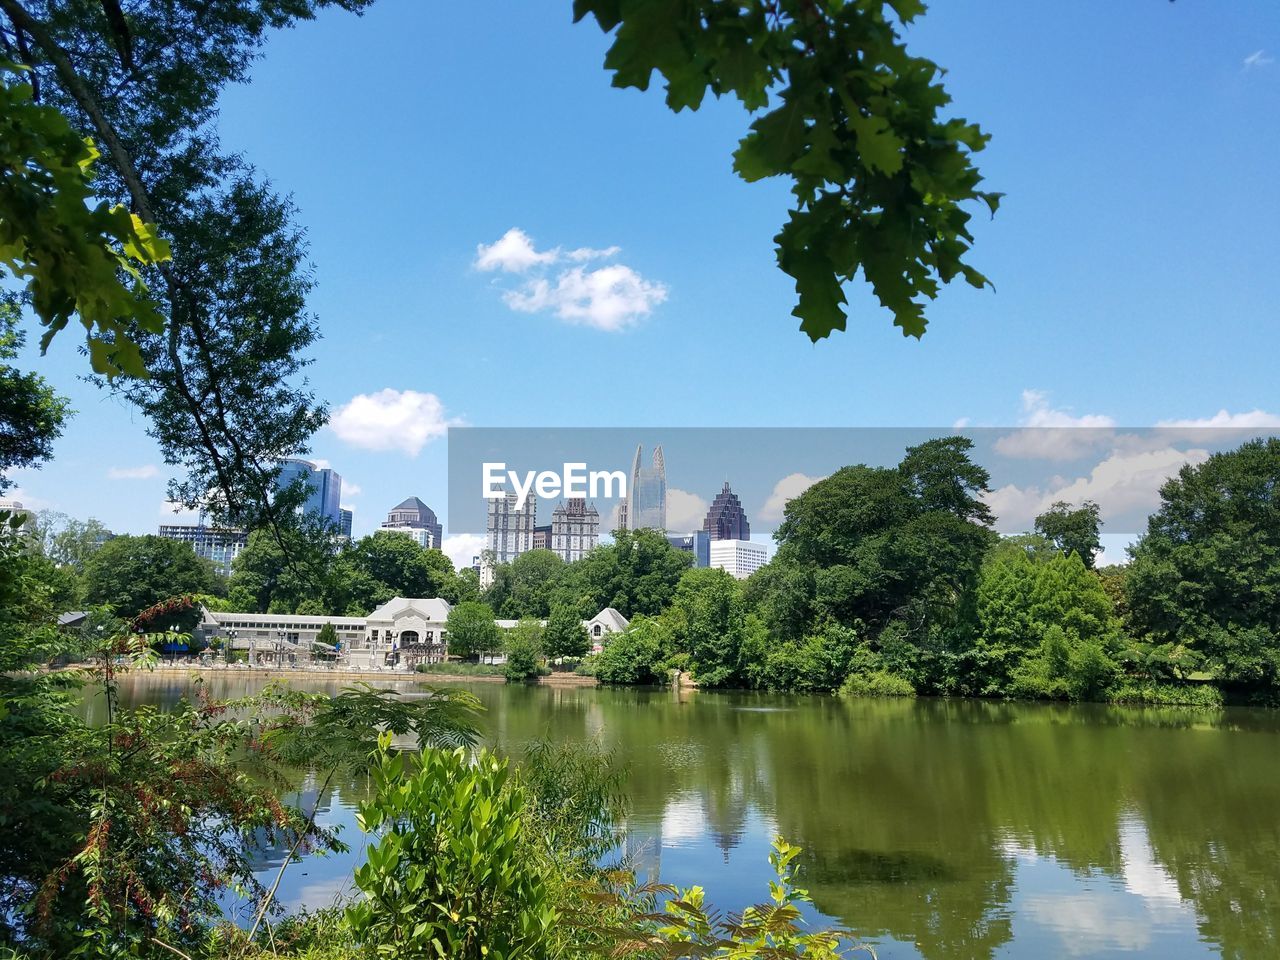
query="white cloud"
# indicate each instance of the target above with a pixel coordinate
(1252, 420)
(685, 511)
(461, 548)
(171, 512)
(145, 472)
(788, 488)
(1257, 59)
(29, 500)
(1051, 434)
(610, 297)
(1123, 481)
(350, 489)
(404, 420)
(590, 253)
(513, 252)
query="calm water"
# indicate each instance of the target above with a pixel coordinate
(934, 829)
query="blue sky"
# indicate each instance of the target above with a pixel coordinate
(1134, 258)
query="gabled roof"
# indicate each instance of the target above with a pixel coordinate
(609, 617)
(433, 609)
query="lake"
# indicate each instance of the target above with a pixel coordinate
(934, 829)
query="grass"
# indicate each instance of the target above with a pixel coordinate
(455, 669)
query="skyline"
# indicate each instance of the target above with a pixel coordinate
(635, 249)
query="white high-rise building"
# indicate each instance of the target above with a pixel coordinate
(740, 558)
(575, 529)
(508, 532)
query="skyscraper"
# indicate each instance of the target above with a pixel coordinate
(413, 514)
(508, 531)
(575, 529)
(322, 486)
(646, 503)
(726, 520)
(344, 522)
(218, 546)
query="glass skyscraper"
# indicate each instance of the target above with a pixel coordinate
(323, 488)
(646, 506)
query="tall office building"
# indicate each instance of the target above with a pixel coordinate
(413, 514)
(542, 537)
(508, 530)
(220, 547)
(345, 517)
(646, 502)
(323, 488)
(726, 520)
(696, 543)
(575, 529)
(741, 558)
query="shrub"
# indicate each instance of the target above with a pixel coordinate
(877, 683)
(634, 656)
(451, 875)
(1167, 694)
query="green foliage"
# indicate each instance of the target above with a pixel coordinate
(450, 875)
(384, 565)
(1167, 694)
(131, 574)
(565, 635)
(470, 630)
(527, 586)
(523, 648)
(688, 927)
(819, 663)
(455, 669)
(636, 655)
(708, 621)
(1205, 578)
(876, 683)
(73, 254)
(879, 176)
(577, 799)
(32, 415)
(1073, 530)
(636, 574)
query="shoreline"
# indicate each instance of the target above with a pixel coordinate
(552, 680)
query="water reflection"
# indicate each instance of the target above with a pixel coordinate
(935, 829)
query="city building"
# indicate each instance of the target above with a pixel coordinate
(419, 536)
(575, 529)
(542, 537)
(413, 514)
(726, 520)
(645, 506)
(508, 532)
(345, 517)
(697, 543)
(220, 547)
(322, 485)
(741, 558)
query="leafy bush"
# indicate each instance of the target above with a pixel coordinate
(877, 683)
(634, 656)
(523, 647)
(451, 875)
(453, 668)
(1167, 694)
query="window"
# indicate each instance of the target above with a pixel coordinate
(596, 630)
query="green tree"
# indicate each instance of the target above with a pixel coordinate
(285, 569)
(69, 542)
(1073, 529)
(636, 574)
(565, 636)
(131, 573)
(707, 620)
(32, 415)
(636, 655)
(471, 630)
(526, 586)
(386, 564)
(522, 645)
(1204, 582)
